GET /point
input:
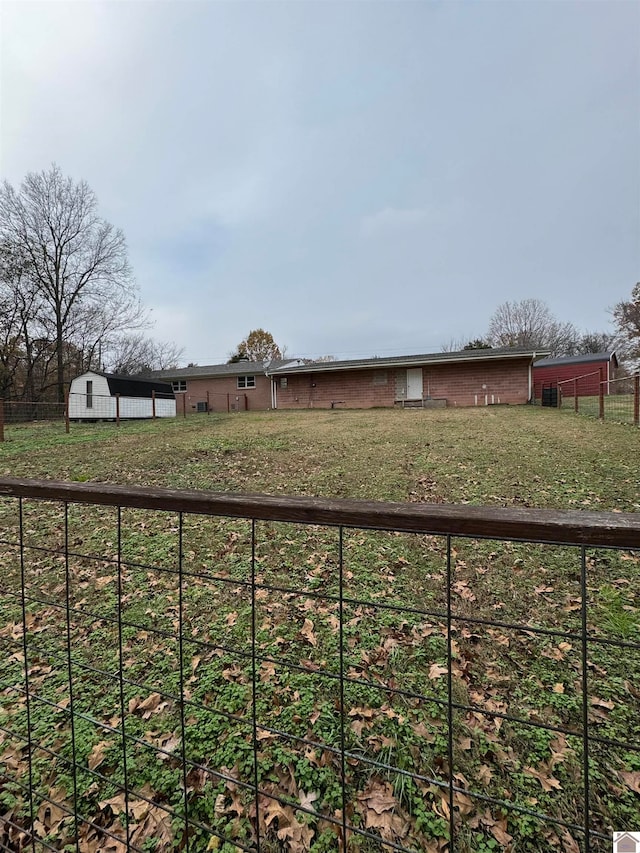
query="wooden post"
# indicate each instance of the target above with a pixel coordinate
(1, 420)
(118, 410)
(575, 394)
(184, 405)
(246, 403)
(601, 395)
(636, 399)
(208, 409)
(153, 405)
(66, 412)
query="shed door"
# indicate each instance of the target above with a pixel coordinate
(414, 383)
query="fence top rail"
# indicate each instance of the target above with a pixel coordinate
(576, 378)
(561, 527)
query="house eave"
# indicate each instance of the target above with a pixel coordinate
(404, 362)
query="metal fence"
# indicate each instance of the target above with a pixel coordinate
(607, 399)
(83, 408)
(195, 671)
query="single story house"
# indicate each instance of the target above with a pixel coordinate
(105, 396)
(467, 378)
(238, 387)
(588, 371)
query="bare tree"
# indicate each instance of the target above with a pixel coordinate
(529, 324)
(137, 354)
(453, 345)
(97, 327)
(626, 315)
(75, 258)
(592, 342)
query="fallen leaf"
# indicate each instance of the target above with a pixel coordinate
(548, 782)
(631, 780)
(96, 756)
(307, 800)
(602, 703)
(307, 632)
(435, 671)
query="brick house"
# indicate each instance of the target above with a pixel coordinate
(586, 369)
(239, 387)
(467, 378)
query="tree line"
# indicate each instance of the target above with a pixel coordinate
(68, 299)
(529, 324)
(69, 302)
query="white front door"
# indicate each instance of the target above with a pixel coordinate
(414, 383)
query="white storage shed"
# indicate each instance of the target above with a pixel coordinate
(107, 396)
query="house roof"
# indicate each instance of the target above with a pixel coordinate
(585, 358)
(408, 360)
(238, 368)
(132, 386)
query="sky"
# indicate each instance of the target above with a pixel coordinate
(357, 178)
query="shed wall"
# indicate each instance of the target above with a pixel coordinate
(588, 386)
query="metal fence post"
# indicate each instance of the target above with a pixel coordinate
(636, 399)
(575, 395)
(117, 409)
(1, 420)
(208, 409)
(228, 404)
(153, 405)
(601, 395)
(66, 412)
(184, 405)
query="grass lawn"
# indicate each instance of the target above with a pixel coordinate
(617, 407)
(394, 638)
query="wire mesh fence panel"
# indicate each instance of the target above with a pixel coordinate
(21, 417)
(186, 671)
(614, 399)
(24, 412)
(621, 403)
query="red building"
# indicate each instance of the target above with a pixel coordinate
(587, 371)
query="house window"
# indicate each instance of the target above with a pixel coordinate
(89, 394)
(380, 377)
(246, 381)
(179, 385)
(283, 381)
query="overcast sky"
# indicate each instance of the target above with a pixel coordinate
(359, 178)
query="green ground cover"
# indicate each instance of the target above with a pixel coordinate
(499, 456)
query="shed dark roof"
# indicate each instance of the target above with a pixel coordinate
(409, 360)
(586, 358)
(134, 386)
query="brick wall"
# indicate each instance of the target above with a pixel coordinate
(479, 383)
(466, 384)
(257, 399)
